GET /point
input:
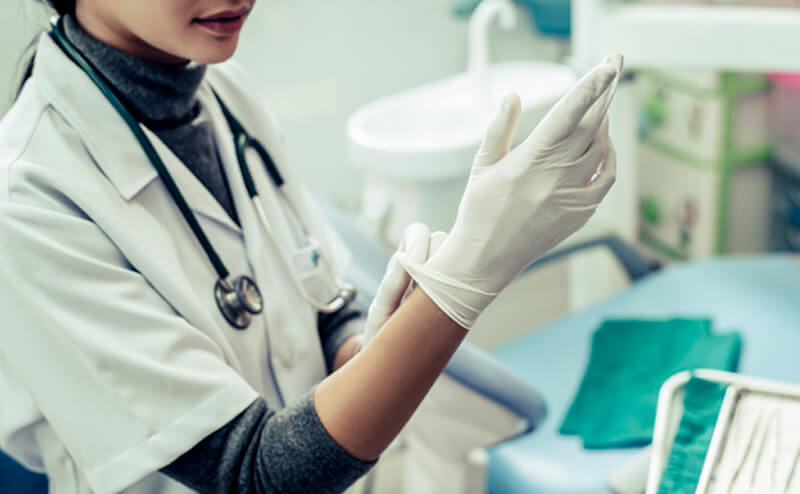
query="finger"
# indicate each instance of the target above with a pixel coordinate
(599, 111)
(393, 284)
(581, 171)
(500, 133)
(435, 242)
(437, 239)
(416, 240)
(599, 188)
(603, 133)
(415, 247)
(562, 120)
(608, 175)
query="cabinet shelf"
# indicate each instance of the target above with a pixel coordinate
(713, 37)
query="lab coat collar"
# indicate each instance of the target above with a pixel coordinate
(107, 137)
(196, 194)
(103, 131)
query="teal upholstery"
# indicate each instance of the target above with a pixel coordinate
(757, 296)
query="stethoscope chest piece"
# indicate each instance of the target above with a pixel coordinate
(239, 302)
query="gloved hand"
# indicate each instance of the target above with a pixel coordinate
(417, 244)
(519, 204)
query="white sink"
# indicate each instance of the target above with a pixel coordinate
(416, 147)
(430, 133)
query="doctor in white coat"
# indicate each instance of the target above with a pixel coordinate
(118, 371)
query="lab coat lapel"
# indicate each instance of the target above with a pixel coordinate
(139, 231)
(103, 131)
(196, 194)
(108, 138)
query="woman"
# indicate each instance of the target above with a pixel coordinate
(120, 371)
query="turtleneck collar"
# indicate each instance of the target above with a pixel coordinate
(159, 95)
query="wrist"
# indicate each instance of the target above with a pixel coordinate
(458, 293)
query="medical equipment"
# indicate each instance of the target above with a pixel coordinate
(754, 446)
(239, 299)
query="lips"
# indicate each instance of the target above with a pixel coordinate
(225, 23)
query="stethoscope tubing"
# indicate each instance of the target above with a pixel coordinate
(242, 141)
(57, 34)
(335, 305)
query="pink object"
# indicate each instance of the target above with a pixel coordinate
(784, 118)
(788, 80)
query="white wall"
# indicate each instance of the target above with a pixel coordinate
(317, 61)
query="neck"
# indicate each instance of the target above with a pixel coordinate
(159, 94)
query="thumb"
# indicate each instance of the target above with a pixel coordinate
(497, 141)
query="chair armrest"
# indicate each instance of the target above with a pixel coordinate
(484, 374)
(16, 478)
(635, 266)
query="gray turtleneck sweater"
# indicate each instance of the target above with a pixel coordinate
(262, 450)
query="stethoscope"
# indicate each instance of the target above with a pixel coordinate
(239, 299)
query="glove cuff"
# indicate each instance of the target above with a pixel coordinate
(461, 302)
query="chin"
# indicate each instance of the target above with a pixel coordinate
(215, 52)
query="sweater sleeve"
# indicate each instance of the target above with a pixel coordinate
(336, 328)
(263, 451)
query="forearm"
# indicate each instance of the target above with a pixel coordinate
(366, 403)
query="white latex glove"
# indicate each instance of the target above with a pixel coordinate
(417, 244)
(519, 204)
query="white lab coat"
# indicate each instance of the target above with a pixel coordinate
(114, 359)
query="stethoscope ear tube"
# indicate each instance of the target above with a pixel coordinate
(244, 141)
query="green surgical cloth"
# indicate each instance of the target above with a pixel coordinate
(616, 403)
(702, 402)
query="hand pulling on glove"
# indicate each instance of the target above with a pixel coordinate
(520, 203)
(417, 244)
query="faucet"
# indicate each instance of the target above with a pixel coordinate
(479, 25)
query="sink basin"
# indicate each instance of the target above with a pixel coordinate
(431, 133)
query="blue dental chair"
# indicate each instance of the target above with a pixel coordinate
(14, 479)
